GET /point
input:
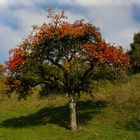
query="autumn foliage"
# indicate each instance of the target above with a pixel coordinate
(62, 55)
(96, 49)
(60, 42)
(3, 86)
(102, 52)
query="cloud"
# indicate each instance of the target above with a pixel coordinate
(118, 20)
(86, 2)
(116, 23)
(99, 2)
(3, 2)
(115, 18)
(8, 39)
(15, 24)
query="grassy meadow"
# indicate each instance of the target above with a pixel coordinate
(113, 113)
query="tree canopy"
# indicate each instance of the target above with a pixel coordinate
(61, 56)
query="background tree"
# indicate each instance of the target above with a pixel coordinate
(3, 86)
(134, 52)
(61, 56)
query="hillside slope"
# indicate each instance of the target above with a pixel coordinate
(112, 113)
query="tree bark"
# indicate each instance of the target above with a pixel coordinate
(72, 108)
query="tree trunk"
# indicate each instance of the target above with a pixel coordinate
(72, 108)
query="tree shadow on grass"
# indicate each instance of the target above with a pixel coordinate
(133, 125)
(57, 115)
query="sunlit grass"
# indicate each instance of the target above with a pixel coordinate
(112, 114)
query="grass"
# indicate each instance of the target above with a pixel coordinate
(113, 114)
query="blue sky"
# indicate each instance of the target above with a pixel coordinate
(118, 20)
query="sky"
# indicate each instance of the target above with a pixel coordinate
(118, 20)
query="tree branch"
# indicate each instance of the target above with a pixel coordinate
(61, 68)
(87, 72)
(57, 64)
(38, 84)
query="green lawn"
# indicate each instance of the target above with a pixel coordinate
(113, 114)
